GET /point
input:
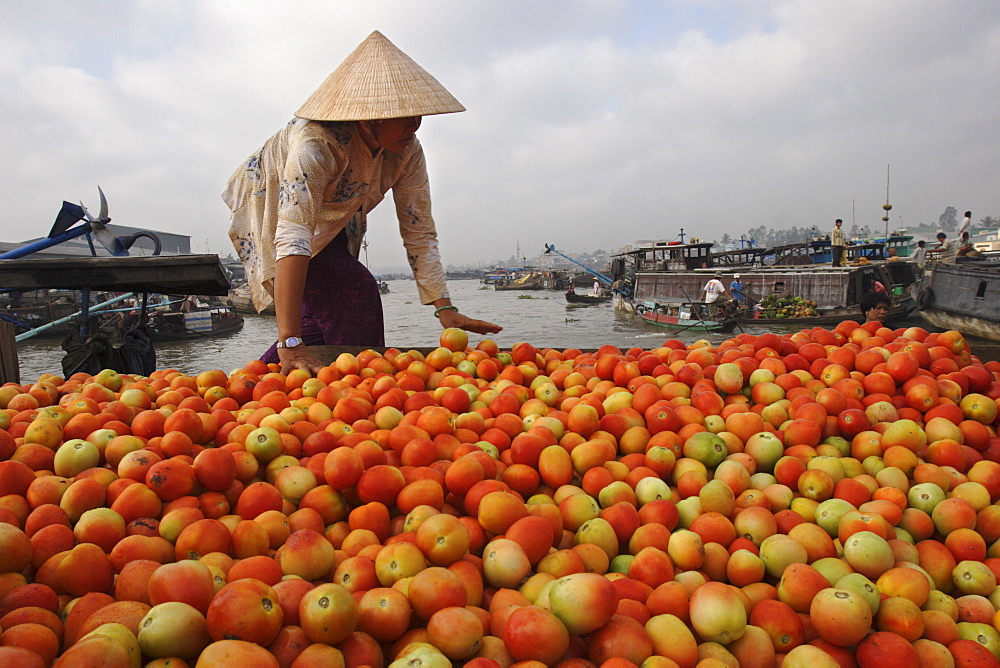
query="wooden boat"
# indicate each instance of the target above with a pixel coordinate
(242, 302)
(496, 276)
(33, 308)
(683, 315)
(194, 325)
(383, 288)
(577, 298)
(963, 296)
(642, 276)
(530, 280)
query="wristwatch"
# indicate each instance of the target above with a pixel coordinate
(290, 342)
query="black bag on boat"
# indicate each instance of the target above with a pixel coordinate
(138, 351)
(89, 355)
(134, 353)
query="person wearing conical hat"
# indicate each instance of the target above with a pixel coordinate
(299, 205)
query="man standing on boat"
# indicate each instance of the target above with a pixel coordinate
(715, 294)
(737, 290)
(966, 226)
(920, 255)
(837, 243)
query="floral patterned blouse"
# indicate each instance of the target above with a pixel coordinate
(313, 179)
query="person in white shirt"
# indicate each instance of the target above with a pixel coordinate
(715, 294)
(945, 250)
(966, 225)
(920, 255)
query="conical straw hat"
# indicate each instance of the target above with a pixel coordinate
(378, 81)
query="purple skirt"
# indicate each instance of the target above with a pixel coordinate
(341, 304)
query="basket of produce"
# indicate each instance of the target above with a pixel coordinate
(788, 307)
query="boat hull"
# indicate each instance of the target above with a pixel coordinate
(835, 291)
(243, 303)
(674, 322)
(172, 327)
(963, 323)
(963, 297)
(574, 298)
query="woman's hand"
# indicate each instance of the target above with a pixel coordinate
(451, 318)
(299, 358)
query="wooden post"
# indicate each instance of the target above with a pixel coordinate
(10, 371)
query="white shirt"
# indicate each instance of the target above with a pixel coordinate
(713, 290)
(965, 227)
(308, 182)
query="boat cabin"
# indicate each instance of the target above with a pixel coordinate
(897, 245)
(814, 251)
(668, 256)
(873, 252)
(741, 257)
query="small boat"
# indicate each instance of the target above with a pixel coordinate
(194, 325)
(243, 303)
(577, 298)
(963, 296)
(383, 288)
(683, 315)
(528, 280)
(497, 276)
(28, 310)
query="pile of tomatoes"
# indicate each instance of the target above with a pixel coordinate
(823, 498)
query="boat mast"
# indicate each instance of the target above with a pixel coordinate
(886, 207)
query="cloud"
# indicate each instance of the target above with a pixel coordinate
(590, 124)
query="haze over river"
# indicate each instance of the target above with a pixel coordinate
(544, 320)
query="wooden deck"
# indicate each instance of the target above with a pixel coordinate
(165, 274)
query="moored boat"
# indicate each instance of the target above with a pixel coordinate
(643, 276)
(31, 309)
(243, 303)
(683, 315)
(531, 280)
(963, 296)
(194, 325)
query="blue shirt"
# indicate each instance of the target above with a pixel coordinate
(736, 289)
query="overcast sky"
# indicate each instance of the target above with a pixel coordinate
(590, 123)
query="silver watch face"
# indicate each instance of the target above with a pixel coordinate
(290, 342)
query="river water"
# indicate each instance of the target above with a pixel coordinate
(541, 317)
